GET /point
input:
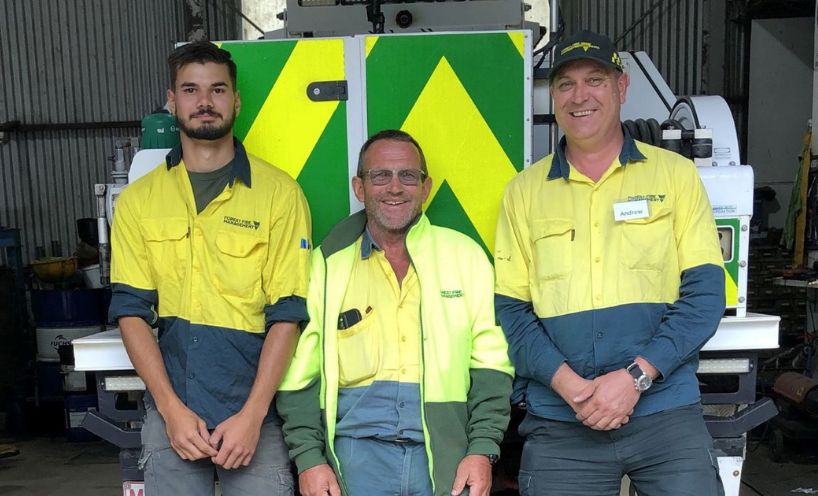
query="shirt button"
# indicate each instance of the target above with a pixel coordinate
(599, 335)
(403, 338)
(402, 404)
(195, 339)
(596, 224)
(191, 375)
(402, 371)
(597, 259)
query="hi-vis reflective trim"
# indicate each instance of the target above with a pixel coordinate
(289, 124)
(444, 103)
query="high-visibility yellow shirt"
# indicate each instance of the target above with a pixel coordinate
(215, 281)
(596, 273)
(379, 357)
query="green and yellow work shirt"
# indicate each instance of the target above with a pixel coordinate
(212, 282)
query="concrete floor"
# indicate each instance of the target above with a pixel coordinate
(52, 466)
(796, 474)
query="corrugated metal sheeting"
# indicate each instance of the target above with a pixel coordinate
(670, 31)
(78, 76)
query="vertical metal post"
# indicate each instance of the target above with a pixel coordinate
(815, 83)
(104, 245)
(554, 20)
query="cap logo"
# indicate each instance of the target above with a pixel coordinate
(616, 60)
(580, 44)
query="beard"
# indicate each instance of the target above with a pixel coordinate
(207, 132)
(395, 224)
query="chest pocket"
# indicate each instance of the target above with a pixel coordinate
(552, 240)
(646, 243)
(358, 353)
(166, 243)
(238, 271)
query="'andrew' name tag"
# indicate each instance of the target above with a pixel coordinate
(636, 209)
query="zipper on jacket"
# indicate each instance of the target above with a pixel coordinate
(426, 437)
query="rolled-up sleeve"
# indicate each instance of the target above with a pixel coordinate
(286, 270)
(133, 290)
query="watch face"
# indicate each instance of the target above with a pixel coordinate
(644, 382)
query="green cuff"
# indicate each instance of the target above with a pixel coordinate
(483, 447)
(309, 459)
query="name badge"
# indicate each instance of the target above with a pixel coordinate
(636, 209)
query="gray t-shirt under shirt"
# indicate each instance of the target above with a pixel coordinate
(207, 185)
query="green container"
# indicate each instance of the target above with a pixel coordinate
(159, 131)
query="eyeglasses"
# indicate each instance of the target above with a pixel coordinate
(407, 177)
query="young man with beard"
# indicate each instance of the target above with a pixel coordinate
(400, 384)
(609, 281)
(212, 248)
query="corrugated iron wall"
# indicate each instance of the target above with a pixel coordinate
(737, 67)
(670, 31)
(78, 75)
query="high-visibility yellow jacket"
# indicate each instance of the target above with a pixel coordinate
(465, 370)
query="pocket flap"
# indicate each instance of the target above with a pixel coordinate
(164, 229)
(237, 245)
(543, 228)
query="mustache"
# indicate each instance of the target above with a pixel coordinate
(207, 111)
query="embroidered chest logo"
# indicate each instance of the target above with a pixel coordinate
(246, 224)
(650, 198)
(452, 293)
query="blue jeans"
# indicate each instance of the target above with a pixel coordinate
(371, 467)
(665, 454)
(168, 475)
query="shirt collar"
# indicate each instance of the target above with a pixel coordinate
(367, 245)
(559, 163)
(240, 168)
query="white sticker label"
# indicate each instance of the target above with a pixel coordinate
(636, 209)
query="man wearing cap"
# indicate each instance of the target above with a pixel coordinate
(609, 281)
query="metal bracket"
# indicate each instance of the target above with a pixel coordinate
(328, 91)
(736, 425)
(111, 432)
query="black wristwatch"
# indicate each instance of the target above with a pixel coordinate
(492, 459)
(641, 381)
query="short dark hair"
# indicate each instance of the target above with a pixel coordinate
(199, 52)
(393, 135)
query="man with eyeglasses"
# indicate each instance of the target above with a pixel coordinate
(609, 281)
(400, 382)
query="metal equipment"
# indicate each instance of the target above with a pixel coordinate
(323, 18)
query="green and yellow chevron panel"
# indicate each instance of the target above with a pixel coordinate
(728, 229)
(462, 96)
(281, 125)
